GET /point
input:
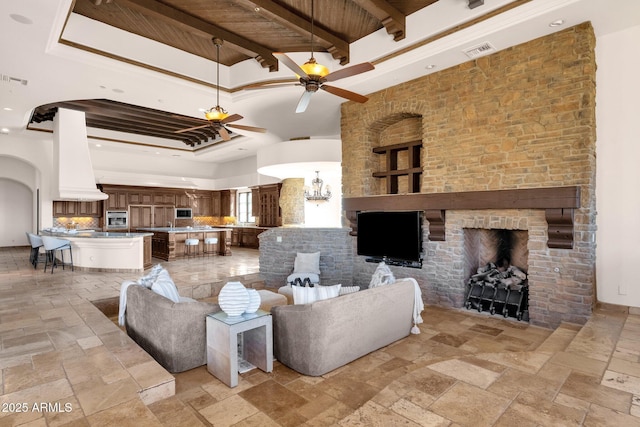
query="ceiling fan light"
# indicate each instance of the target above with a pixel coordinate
(216, 113)
(312, 68)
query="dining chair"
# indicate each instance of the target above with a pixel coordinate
(52, 245)
(36, 244)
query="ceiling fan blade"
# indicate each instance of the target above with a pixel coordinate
(231, 118)
(223, 133)
(193, 128)
(304, 102)
(290, 64)
(349, 71)
(249, 128)
(352, 96)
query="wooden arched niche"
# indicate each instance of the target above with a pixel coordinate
(396, 142)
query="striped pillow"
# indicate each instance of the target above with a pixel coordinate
(349, 289)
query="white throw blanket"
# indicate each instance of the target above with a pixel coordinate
(123, 300)
(418, 306)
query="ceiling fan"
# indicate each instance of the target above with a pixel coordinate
(312, 76)
(218, 118)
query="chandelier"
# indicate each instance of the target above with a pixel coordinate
(315, 194)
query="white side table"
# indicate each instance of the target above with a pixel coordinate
(222, 343)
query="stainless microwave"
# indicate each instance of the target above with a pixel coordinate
(117, 220)
(184, 213)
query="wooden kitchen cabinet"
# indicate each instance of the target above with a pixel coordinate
(65, 208)
(183, 200)
(117, 201)
(164, 198)
(269, 202)
(228, 203)
(202, 205)
(215, 203)
(163, 215)
(140, 217)
(140, 198)
(255, 201)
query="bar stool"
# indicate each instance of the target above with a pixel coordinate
(209, 245)
(191, 243)
(51, 246)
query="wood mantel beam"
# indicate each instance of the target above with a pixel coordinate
(559, 204)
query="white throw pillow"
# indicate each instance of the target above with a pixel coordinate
(327, 292)
(382, 276)
(349, 289)
(304, 294)
(164, 286)
(307, 263)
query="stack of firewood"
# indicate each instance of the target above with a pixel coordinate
(490, 275)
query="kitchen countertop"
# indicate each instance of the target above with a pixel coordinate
(94, 234)
(182, 229)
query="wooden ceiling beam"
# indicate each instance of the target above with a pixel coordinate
(339, 48)
(173, 16)
(393, 20)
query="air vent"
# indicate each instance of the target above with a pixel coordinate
(479, 50)
(8, 79)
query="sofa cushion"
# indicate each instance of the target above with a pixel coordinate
(307, 263)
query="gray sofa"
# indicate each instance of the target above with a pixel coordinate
(317, 338)
(174, 334)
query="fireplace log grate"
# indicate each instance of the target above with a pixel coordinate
(503, 291)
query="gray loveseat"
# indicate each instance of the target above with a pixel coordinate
(174, 334)
(317, 338)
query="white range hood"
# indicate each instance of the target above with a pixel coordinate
(73, 172)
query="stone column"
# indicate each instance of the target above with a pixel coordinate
(292, 201)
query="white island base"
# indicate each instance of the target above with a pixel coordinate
(116, 252)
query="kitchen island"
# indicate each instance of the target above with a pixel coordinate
(167, 243)
(108, 251)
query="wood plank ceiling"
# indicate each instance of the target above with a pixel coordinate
(251, 30)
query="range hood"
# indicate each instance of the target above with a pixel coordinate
(73, 172)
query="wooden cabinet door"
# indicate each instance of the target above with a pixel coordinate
(164, 199)
(228, 203)
(163, 215)
(92, 209)
(140, 217)
(215, 204)
(183, 200)
(59, 208)
(116, 201)
(255, 202)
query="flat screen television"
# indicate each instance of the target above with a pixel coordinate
(392, 236)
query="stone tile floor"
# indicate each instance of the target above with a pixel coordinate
(65, 364)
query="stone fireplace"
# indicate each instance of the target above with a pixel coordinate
(520, 119)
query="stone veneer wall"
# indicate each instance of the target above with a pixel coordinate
(523, 117)
(334, 245)
(292, 201)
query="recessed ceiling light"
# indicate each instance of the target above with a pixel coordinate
(117, 90)
(157, 152)
(430, 67)
(21, 19)
(8, 109)
(98, 145)
(556, 23)
(4, 130)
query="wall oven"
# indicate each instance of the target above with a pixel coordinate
(117, 220)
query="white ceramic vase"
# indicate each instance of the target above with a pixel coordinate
(254, 301)
(233, 299)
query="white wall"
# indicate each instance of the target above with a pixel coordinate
(16, 214)
(618, 170)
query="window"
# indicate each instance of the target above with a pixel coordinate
(244, 208)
